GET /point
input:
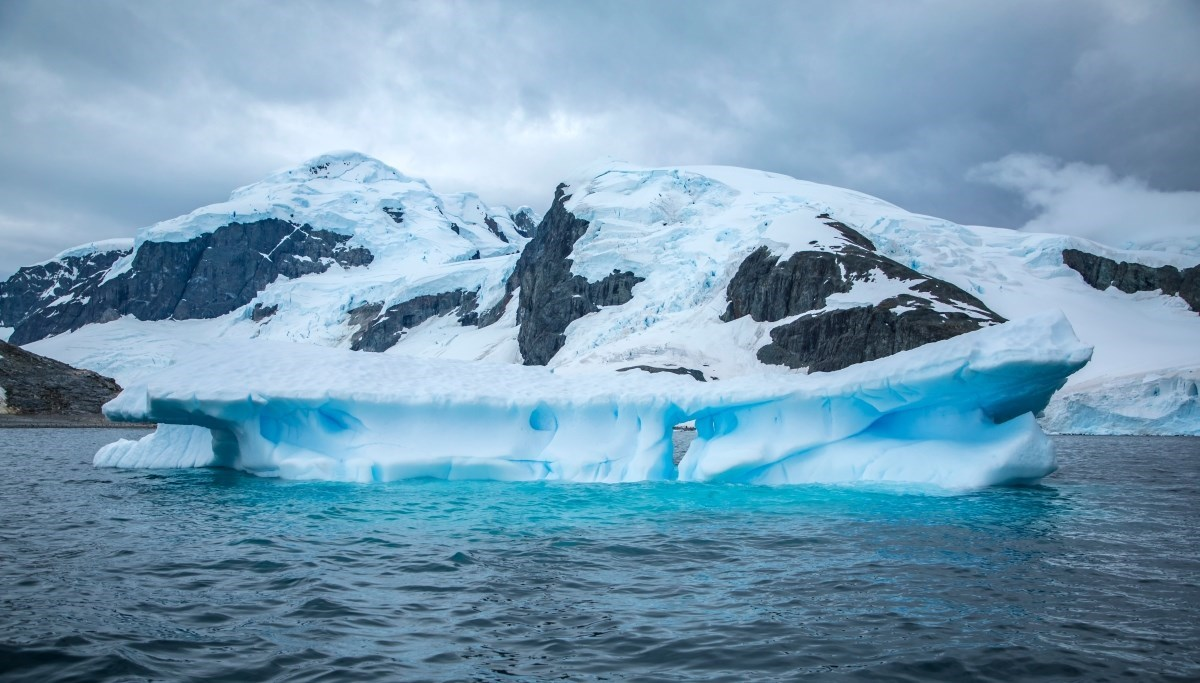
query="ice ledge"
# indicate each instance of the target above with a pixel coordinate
(956, 414)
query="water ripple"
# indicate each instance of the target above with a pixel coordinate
(215, 575)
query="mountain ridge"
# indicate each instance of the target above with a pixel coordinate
(713, 270)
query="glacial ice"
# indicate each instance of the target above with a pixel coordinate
(955, 414)
(1147, 403)
(169, 446)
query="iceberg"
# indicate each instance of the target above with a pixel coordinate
(955, 414)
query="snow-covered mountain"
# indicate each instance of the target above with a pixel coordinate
(712, 272)
(717, 271)
(306, 234)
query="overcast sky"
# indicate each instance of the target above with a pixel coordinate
(1072, 116)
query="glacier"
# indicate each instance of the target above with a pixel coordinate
(956, 414)
(1148, 403)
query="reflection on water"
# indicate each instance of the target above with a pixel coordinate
(112, 574)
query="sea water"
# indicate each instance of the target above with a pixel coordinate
(112, 575)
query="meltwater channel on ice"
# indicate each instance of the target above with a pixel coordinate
(955, 414)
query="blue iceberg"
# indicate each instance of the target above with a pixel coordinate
(955, 414)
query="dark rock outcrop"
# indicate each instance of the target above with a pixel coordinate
(551, 298)
(694, 374)
(204, 277)
(494, 228)
(768, 289)
(1102, 273)
(261, 313)
(523, 220)
(36, 385)
(33, 288)
(836, 339)
(380, 331)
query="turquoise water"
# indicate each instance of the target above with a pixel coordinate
(216, 575)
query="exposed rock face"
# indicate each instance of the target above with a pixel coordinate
(379, 332)
(769, 290)
(205, 277)
(524, 221)
(551, 298)
(261, 312)
(35, 385)
(1102, 273)
(494, 228)
(33, 288)
(839, 338)
(694, 374)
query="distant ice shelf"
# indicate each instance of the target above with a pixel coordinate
(1148, 403)
(955, 414)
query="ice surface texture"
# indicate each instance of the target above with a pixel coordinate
(955, 414)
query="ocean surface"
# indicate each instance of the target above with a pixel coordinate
(111, 575)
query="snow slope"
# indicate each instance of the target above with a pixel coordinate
(351, 193)
(421, 243)
(954, 414)
(96, 247)
(686, 231)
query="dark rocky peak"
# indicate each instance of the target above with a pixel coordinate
(35, 385)
(1102, 273)
(35, 287)
(551, 298)
(524, 220)
(204, 277)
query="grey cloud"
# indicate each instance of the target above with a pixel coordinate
(119, 114)
(1091, 201)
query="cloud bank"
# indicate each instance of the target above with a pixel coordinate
(121, 113)
(1091, 201)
